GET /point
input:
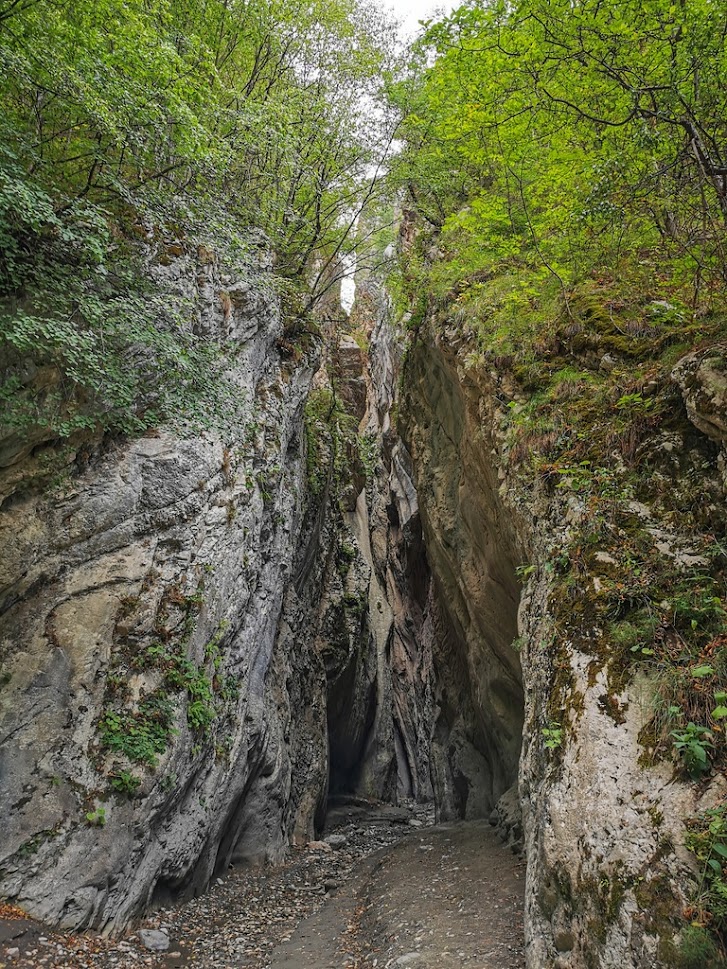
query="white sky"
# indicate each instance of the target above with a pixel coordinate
(410, 11)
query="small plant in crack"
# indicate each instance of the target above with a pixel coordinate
(693, 743)
(97, 817)
(124, 782)
(553, 735)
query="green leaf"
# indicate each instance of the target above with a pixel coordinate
(698, 672)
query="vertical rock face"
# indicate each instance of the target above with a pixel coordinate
(402, 591)
(608, 875)
(447, 706)
(154, 723)
(473, 549)
(199, 636)
(702, 379)
(200, 639)
(375, 636)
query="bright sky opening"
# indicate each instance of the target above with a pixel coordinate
(412, 11)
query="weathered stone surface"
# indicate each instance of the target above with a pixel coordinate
(400, 596)
(507, 819)
(336, 840)
(350, 365)
(702, 378)
(472, 548)
(164, 541)
(607, 873)
(360, 637)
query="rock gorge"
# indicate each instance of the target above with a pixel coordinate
(359, 594)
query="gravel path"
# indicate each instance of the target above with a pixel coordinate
(448, 897)
(383, 885)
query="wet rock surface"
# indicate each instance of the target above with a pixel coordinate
(400, 891)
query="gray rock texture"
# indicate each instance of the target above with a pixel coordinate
(603, 824)
(199, 634)
(400, 588)
(472, 548)
(154, 940)
(702, 379)
(202, 637)
(373, 632)
(150, 588)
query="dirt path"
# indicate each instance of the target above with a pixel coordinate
(447, 897)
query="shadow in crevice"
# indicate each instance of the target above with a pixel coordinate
(473, 547)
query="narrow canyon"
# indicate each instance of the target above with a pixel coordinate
(363, 468)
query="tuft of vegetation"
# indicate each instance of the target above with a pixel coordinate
(140, 734)
(335, 451)
(698, 950)
(693, 745)
(141, 730)
(124, 782)
(552, 736)
(707, 839)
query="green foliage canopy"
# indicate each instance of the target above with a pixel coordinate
(263, 101)
(163, 120)
(565, 135)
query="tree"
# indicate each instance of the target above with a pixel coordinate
(573, 132)
(159, 118)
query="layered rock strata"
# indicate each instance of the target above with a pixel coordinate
(199, 635)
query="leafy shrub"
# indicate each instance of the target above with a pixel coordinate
(140, 735)
(116, 351)
(693, 744)
(200, 714)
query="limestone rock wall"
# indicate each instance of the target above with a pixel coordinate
(199, 635)
(402, 592)
(608, 876)
(377, 639)
(140, 607)
(473, 549)
(200, 638)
